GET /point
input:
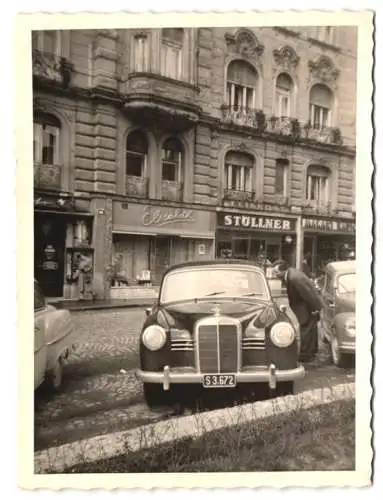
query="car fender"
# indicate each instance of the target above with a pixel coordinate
(339, 323)
(59, 334)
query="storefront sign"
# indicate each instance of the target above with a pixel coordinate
(163, 220)
(259, 222)
(153, 216)
(328, 225)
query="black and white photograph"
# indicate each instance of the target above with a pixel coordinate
(197, 251)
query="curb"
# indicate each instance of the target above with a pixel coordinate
(59, 458)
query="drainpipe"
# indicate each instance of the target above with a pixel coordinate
(299, 246)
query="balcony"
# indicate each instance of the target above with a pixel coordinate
(51, 68)
(136, 186)
(287, 127)
(313, 207)
(150, 97)
(244, 199)
(47, 177)
(171, 191)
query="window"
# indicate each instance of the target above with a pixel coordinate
(320, 106)
(241, 86)
(46, 134)
(238, 172)
(283, 96)
(48, 41)
(281, 173)
(141, 53)
(347, 283)
(171, 159)
(171, 52)
(136, 154)
(317, 186)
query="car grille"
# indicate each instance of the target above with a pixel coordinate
(218, 347)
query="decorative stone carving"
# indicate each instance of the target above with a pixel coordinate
(323, 68)
(286, 58)
(244, 43)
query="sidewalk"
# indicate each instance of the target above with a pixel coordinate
(89, 305)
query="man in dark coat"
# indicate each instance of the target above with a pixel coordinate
(306, 304)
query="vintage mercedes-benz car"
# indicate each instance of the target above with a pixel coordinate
(54, 340)
(337, 323)
(215, 324)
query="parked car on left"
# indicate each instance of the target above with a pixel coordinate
(54, 340)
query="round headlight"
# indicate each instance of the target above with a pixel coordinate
(282, 334)
(350, 326)
(154, 337)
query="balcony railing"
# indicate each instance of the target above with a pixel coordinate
(283, 126)
(171, 191)
(136, 186)
(51, 67)
(318, 208)
(47, 176)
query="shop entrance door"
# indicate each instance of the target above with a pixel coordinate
(49, 235)
(162, 248)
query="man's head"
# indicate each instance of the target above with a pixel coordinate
(282, 271)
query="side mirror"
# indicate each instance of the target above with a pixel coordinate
(148, 311)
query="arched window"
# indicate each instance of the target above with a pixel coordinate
(241, 86)
(171, 52)
(318, 185)
(321, 101)
(46, 136)
(171, 160)
(283, 95)
(136, 154)
(239, 168)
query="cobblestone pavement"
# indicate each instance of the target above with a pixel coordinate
(100, 393)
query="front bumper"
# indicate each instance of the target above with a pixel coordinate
(347, 346)
(269, 375)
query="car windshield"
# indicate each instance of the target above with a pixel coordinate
(198, 283)
(347, 283)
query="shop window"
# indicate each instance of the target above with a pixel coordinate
(171, 159)
(283, 95)
(318, 185)
(321, 100)
(281, 176)
(241, 86)
(46, 135)
(171, 52)
(136, 154)
(238, 171)
(141, 52)
(48, 41)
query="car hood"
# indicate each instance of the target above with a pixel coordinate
(185, 314)
(346, 302)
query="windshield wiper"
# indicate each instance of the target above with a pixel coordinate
(213, 293)
(252, 294)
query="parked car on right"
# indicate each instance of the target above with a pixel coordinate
(337, 323)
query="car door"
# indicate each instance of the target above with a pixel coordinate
(328, 312)
(40, 348)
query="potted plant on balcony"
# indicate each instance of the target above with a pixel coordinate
(66, 69)
(336, 136)
(225, 111)
(273, 120)
(295, 129)
(261, 120)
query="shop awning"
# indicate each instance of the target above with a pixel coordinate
(163, 232)
(63, 212)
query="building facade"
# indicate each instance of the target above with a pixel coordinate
(160, 145)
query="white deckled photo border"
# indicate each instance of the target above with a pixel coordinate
(364, 170)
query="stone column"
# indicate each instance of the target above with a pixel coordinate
(102, 243)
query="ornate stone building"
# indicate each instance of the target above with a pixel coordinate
(156, 146)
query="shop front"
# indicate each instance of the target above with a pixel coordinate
(147, 239)
(262, 238)
(327, 239)
(63, 255)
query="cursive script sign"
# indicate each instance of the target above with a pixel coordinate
(153, 216)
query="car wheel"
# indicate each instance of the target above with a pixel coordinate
(154, 395)
(55, 375)
(285, 388)
(339, 359)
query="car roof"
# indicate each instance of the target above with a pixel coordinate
(341, 266)
(212, 262)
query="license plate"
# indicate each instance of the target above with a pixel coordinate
(219, 380)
